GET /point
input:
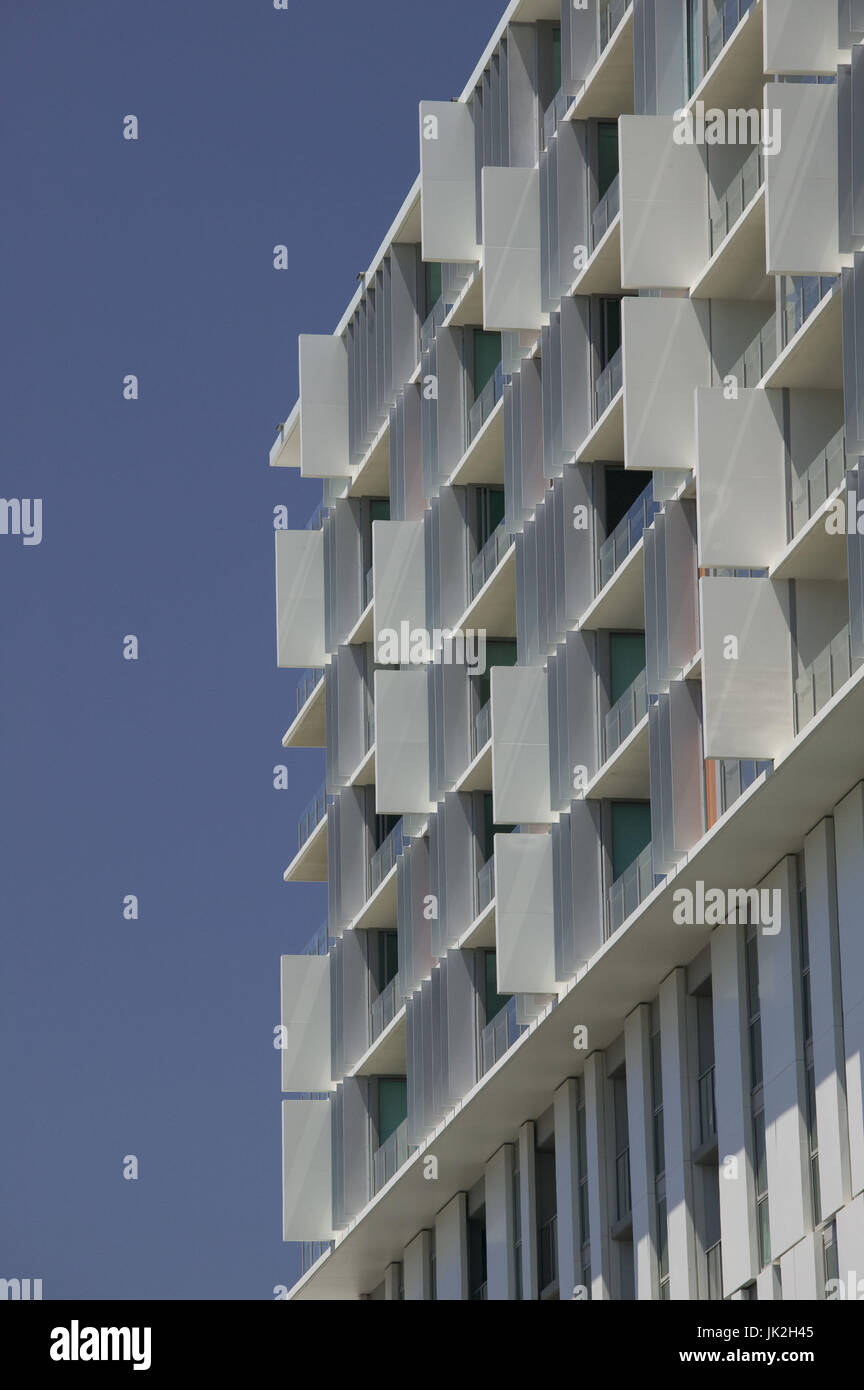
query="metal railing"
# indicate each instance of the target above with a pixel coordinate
(486, 884)
(802, 295)
(609, 383)
(734, 776)
(386, 1007)
(307, 684)
(611, 15)
(485, 403)
(388, 1159)
(707, 1109)
(606, 211)
(740, 193)
(623, 1200)
(318, 517)
(499, 1034)
(821, 680)
(319, 944)
(722, 25)
(368, 587)
(823, 476)
(631, 888)
(385, 856)
(627, 534)
(454, 277)
(311, 1252)
(554, 114)
(312, 816)
(758, 357)
(547, 1253)
(482, 727)
(486, 562)
(714, 1269)
(625, 714)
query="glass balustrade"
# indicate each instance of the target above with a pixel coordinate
(482, 727)
(489, 558)
(386, 1007)
(740, 193)
(606, 211)
(385, 857)
(707, 1111)
(498, 1036)
(388, 1159)
(633, 886)
(609, 383)
(755, 361)
(821, 680)
(625, 714)
(307, 684)
(611, 14)
(724, 16)
(312, 816)
(485, 403)
(627, 534)
(802, 294)
(486, 884)
(822, 478)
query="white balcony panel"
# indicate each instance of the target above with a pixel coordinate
(520, 746)
(801, 199)
(747, 699)
(511, 249)
(665, 357)
(307, 1202)
(323, 407)
(741, 475)
(300, 598)
(401, 742)
(524, 914)
(800, 36)
(664, 205)
(448, 217)
(306, 1020)
(398, 576)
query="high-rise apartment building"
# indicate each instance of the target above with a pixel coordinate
(586, 1019)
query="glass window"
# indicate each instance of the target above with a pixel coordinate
(392, 1105)
(493, 1001)
(487, 356)
(631, 832)
(388, 957)
(626, 661)
(607, 155)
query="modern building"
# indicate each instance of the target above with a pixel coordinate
(586, 1019)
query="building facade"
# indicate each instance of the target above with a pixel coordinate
(586, 1018)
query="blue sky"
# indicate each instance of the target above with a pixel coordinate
(154, 777)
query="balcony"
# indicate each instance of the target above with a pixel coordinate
(319, 944)
(707, 1109)
(547, 1254)
(312, 816)
(485, 403)
(627, 534)
(724, 16)
(386, 1007)
(554, 115)
(757, 359)
(388, 1159)
(823, 477)
(632, 888)
(307, 684)
(308, 728)
(606, 211)
(318, 517)
(498, 1036)
(625, 714)
(489, 558)
(608, 384)
(726, 781)
(738, 196)
(454, 278)
(611, 14)
(822, 679)
(802, 295)
(485, 885)
(385, 856)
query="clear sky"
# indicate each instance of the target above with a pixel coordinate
(155, 1038)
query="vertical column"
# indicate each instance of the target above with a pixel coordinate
(392, 1282)
(826, 1007)
(732, 1100)
(789, 1201)
(801, 1275)
(528, 1210)
(849, 845)
(677, 1138)
(637, 1030)
(598, 1178)
(416, 1263)
(567, 1188)
(500, 1232)
(451, 1250)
